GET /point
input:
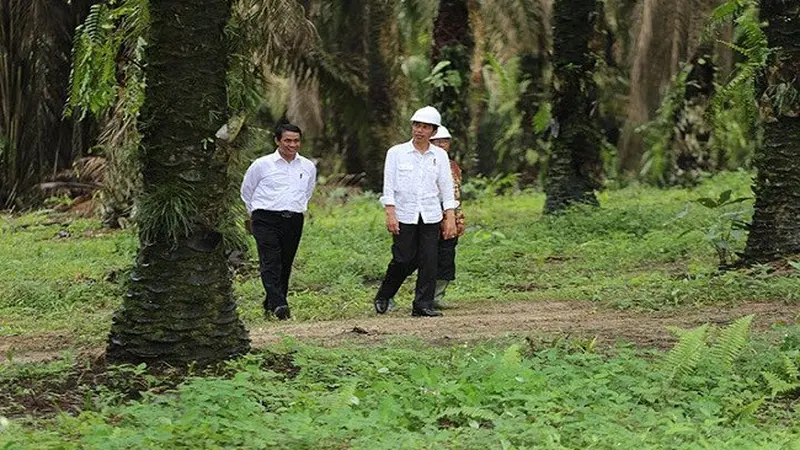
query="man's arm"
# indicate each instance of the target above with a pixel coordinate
(249, 185)
(387, 199)
(312, 182)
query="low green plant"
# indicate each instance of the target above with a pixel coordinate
(729, 228)
(408, 395)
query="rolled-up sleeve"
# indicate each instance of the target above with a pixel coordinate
(446, 186)
(389, 167)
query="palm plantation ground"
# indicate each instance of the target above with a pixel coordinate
(585, 302)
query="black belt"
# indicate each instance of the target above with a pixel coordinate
(286, 214)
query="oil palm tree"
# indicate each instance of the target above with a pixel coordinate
(775, 230)
(179, 307)
(575, 168)
(453, 42)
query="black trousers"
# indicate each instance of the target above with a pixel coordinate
(447, 259)
(277, 235)
(415, 247)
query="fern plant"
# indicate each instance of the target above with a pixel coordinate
(738, 92)
(785, 383)
(719, 348)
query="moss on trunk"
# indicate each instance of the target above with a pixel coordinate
(775, 230)
(575, 167)
(179, 307)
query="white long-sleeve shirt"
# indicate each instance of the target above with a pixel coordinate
(272, 184)
(414, 182)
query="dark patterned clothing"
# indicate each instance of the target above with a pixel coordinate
(460, 224)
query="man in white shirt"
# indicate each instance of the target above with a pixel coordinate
(416, 174)
(276, 190)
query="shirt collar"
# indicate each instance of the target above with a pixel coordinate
(276, 157)
(410, 147)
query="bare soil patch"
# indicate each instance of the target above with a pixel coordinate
(469, 322)
(486, 320)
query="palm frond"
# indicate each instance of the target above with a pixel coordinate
(518, 26)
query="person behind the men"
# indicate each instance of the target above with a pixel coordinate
(446, 271)
(415, 174)
(276, 190)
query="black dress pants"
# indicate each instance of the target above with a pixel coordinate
(277, 235)
(447, 259)
(415, 247)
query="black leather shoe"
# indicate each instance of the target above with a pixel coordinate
(381, 305)
(426, 312)
(282, 312)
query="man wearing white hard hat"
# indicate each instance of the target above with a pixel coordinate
(416, 174)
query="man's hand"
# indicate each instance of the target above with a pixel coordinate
(449, 225)
(392, 223)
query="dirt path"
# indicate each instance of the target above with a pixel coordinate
(470, 322)
(481, 320)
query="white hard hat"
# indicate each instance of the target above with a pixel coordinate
(442, 133)
(428, 115)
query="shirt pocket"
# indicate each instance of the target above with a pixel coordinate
(431, 175)
(301, 180)
(405, 174)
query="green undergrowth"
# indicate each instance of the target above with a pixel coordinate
(644, 249)
(710, 391)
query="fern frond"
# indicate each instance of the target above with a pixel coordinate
(777, 385)
(683, 358)
(790, 368)
(731, 341)
(750, 409)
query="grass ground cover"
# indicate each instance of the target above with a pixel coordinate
(407, 395)
(642, 249)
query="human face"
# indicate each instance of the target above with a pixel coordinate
(422, 132)
(444, 144)
(288, 144)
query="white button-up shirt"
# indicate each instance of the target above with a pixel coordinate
(414, 182)
(272, 184)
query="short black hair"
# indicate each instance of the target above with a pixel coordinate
(283, 127)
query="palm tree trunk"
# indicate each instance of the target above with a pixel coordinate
(775, 230)
(575, 168)
(382, 49)
(453, 41)
(179, 307)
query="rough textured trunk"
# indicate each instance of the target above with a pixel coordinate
(453, 41)
(775, 230)
(383, 40)
(575, 168)
(179, 307)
